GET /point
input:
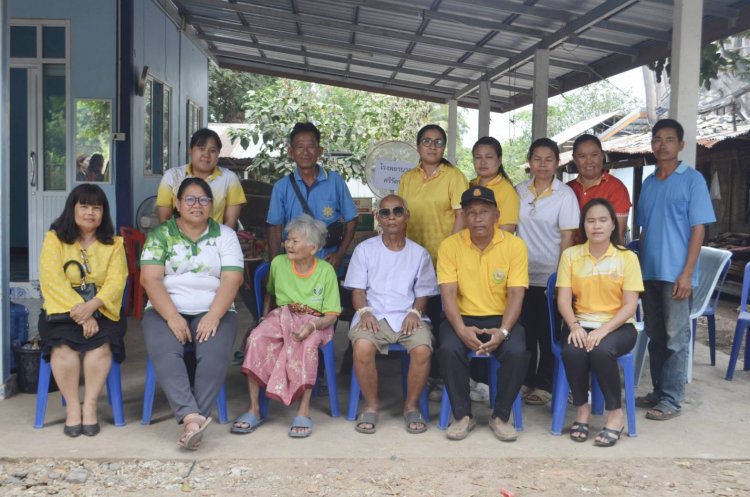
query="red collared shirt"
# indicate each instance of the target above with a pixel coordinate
(609, 188)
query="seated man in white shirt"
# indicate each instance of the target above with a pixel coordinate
(391, 278)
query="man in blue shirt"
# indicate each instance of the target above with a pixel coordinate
(673, 207)
(324, 191)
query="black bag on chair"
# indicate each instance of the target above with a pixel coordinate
(86, 290)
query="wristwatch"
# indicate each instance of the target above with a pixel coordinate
(505, 332)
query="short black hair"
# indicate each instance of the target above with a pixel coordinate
(492, 142)
(586, 137)
(201, 136)
(306, 127)
(544, 142)
(614, 238)
(194, 181)
(669, 124)
(65, 226)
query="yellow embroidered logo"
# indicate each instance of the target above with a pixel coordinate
(498, 277)
(477, 192)
(327, 212)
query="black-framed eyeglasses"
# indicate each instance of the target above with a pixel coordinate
(396, 211)
(190, 200)
(428, 142)
(85, 259)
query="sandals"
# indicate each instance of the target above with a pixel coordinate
(579, 432)
(415, 418)
(664, 411)
(367, 418)
(611, 436)
(191, 439)
(538, 397)
(458, 430)
(247, 418)
(301, 422)
(648, 401)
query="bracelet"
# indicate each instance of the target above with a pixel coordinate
(416, 311)
(363, 310)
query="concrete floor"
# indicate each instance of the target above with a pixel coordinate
(715, 423)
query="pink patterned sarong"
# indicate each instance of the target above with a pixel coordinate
(280, 364)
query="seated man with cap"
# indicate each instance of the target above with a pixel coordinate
(391, 278)
(483, 275)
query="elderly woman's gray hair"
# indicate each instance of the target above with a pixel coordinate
(314, 230)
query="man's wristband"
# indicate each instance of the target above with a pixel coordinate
(363, 310)
(416, 311)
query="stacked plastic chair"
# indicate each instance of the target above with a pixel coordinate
(134, 241)
(742, 330)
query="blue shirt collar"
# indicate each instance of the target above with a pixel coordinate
(322, 174)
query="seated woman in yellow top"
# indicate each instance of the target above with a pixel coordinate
(597, 294)
(82, 234)
(432, 191)
(488, 164)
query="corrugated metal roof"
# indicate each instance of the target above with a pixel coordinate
(426, 44)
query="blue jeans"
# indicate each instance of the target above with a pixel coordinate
(667, 323)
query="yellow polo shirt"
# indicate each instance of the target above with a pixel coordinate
(225, 186)
(484, 276)
(431, 204)
(598, 284)
(506, 197)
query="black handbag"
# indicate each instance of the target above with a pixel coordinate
(335, 230)
(86, 290)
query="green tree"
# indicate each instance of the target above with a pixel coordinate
(226, 93)
(350, 122)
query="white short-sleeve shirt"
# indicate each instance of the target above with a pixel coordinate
(540, 220)
(392, 279)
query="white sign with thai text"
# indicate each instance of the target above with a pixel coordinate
(388, 173)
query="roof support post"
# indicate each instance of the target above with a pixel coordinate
(452, 129)
(685, 58)
(541, 93)
(4, 200)
(484, 108)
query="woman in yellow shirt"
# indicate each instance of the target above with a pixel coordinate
(597, 293)
(432, 191)
(84, 236)
(488, 164)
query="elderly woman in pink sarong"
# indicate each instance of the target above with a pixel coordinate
(281, 354)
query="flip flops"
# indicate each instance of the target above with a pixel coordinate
(611, 436)
(415, 417)
(538, 397)
(247, 418)
(664, 411)
(301, 422)
(579, 432)
(190, 440)
(367, 418)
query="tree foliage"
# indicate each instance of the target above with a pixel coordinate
(350, 122)
(226, 89)
(584, 103)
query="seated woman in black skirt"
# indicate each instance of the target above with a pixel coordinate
(80, 243)
(597, 293)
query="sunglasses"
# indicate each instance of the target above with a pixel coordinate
(396, 211)
(428, 142)
(190, 200)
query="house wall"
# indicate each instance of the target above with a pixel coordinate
(174, 60)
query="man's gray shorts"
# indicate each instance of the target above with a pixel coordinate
(386, 336)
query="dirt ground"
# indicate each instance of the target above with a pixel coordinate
(377, 477)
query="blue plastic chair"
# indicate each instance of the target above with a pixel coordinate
(149, 391)
(711, 305)
(114, 393)
(742, 330)
(261, 273)
(445, 404)
(561, 389)
(354, 389)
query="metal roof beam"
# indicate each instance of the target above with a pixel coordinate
(572, 28)
(709, 8)
(621, 27)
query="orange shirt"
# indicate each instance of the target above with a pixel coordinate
(608, 187)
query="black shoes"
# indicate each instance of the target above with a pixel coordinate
(73, 431)
(91, 430)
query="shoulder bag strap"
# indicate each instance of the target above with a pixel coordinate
(80, 268)
(302, 200)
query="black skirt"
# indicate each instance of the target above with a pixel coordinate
(71, 334)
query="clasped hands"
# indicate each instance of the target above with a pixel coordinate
(469, 335)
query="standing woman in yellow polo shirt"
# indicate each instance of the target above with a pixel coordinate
(547, 222)
(488, 164)
(597, 294)
(432, 191)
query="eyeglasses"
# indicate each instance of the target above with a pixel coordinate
(396, 211)
(190, 200)
(428, 142)
(85, 259)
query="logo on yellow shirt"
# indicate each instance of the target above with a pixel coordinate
(498, 277)
(328, 212)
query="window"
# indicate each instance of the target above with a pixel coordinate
(194, 123)
(157, 98)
